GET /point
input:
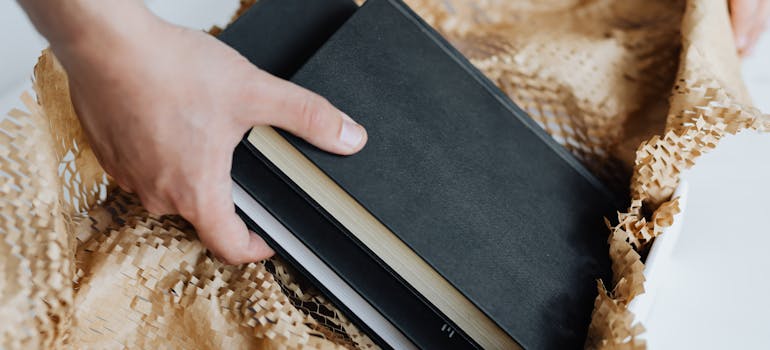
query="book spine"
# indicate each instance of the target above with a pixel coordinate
(414, 316)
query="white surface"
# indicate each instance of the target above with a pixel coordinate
(20, 44)
(713, 296)
(756, 73)
(708, 291)
(198, 14)
(658, 260)
(713, 292)
(315, 267)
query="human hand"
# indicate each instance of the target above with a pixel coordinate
(163, 108)
(749, 18)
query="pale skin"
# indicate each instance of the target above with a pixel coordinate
(749, 19)
(163, 108)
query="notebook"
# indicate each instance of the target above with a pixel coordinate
(461, 224)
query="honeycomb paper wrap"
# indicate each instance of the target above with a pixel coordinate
(635, 89)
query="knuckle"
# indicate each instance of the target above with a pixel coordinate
(161, 183)
(311, 110)
(193, 205)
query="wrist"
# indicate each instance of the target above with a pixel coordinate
(100, 31)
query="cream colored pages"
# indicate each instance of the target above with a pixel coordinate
(588, 71)
(381, 241)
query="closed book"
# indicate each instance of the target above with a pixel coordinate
(461, 224)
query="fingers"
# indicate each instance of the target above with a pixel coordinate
(225, 234)
(303, 113)
(209, 207)
(748, 18)
(760, 24)
(220, 229)
(741, 15)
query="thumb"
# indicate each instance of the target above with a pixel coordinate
(303, 113)
(221, 230)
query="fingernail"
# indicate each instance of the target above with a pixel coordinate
(351, 134)
(742, 41)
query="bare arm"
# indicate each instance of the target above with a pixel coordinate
(164, 107)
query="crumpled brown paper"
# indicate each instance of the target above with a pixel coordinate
(84, 266)
(596, 75)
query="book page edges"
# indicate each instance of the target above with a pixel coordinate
(379, 239)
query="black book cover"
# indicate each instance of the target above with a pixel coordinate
(462, 175)
(279, 36)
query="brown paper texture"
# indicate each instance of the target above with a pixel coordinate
(85, 266)
(637, 90)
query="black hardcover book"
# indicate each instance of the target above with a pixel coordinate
(461, 224)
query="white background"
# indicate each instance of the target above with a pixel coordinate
(717, 282)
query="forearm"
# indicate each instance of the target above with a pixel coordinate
(163, 107)
(75, 27)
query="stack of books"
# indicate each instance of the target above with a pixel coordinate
(461, 224)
